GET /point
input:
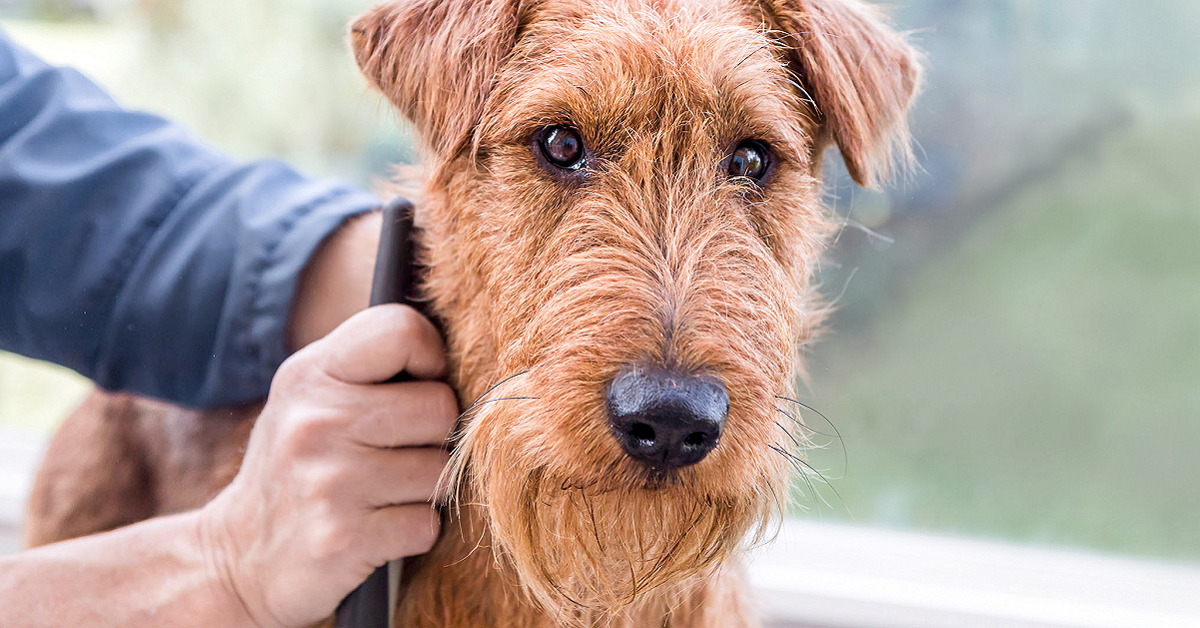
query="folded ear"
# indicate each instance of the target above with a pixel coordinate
(861, 74)
(436, 60)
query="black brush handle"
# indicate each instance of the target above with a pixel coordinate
(395, 263)
(369, 605)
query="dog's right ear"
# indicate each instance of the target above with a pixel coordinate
(859, 73)
(435, 60)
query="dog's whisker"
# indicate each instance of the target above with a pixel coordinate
(453, 478)
(810, 445)
(814, 411)
(756, 51)
(797, 462)
(804, 476)
(837, 434)
(791, 437)
(481, 400)
(592, 514)
(480, 404)
(804, 426)
(493, 387)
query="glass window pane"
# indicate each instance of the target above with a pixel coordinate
(1017, 348)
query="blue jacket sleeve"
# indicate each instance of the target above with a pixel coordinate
(136, 255)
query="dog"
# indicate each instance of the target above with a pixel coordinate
(620, 216)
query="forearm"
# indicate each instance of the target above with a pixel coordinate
(159, 572)
(336, 283)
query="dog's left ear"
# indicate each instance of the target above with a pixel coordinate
(861, 74)
(436, 60)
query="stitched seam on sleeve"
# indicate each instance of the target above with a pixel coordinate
(243, 332)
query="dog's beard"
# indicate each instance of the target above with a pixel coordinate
(610, 548)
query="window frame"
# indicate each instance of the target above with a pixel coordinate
(837, 575)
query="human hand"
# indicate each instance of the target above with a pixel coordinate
(339, 472)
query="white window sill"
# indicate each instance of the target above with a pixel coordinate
(818, 574)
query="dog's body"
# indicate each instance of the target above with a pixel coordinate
(620, 196)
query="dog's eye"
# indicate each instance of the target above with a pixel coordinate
(562, 146)
(749, 160)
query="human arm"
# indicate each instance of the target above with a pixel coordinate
(146, 260)
(337, 478)
(336, 282)
(151, 573)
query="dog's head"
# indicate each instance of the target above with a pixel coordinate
(623, 213)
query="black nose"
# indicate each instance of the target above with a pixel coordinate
(666, 419)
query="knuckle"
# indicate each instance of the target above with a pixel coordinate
(298, 372)
(329, 539)
(307, 434)
(322, 484)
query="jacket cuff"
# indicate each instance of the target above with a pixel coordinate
(259, 328)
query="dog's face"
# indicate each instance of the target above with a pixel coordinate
(623, 214)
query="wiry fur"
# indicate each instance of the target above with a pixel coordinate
(547, 284)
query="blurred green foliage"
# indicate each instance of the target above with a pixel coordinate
(266, 79)
(1018, 356)
(1040, 379)
(35, 396)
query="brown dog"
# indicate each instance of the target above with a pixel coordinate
(620, 218)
